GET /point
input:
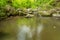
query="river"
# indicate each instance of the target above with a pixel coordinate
(19, 28)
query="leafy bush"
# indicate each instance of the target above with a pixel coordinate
(3, 3)
(2, 13)
(30, 3)
(23, 3)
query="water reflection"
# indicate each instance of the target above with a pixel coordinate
(25, 32)
(30, 29)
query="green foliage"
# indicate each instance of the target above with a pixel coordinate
(28, 3)
(43, 4)
(31, 3)
(23, 3)
(3, 3)
(2, 14)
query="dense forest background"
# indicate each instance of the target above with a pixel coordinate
(13, 7)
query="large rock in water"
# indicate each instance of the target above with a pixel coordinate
(29, 16)
(56, 15)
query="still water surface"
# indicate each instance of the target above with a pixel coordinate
(45, 28)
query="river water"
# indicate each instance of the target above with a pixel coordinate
(43, 28)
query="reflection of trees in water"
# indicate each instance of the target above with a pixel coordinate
(23, 31)
(31, 32)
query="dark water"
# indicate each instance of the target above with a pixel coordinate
(45, 28)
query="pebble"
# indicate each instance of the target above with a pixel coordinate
(54, 27)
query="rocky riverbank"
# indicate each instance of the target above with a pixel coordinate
(9, 11)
